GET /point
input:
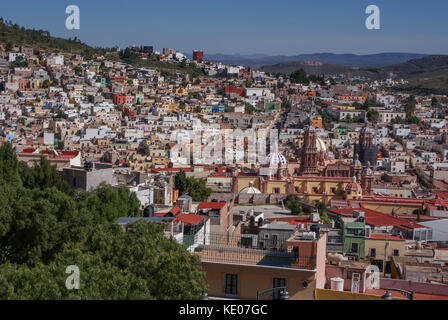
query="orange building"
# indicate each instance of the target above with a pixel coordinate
(239, 272)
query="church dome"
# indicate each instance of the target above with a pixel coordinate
(250, 189)
(275, 160)
(320, 144)
(368, 170)
(356, 162)
(354, 186)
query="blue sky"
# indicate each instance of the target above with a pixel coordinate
(245, 26)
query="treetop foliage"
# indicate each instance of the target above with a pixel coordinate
(195, 188)
(46, 227)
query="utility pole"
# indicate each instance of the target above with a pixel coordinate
(385, 254)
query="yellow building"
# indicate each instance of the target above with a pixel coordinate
(322, 189)
(380, 248)
(397, 205)
(181, 92)
(236, 272)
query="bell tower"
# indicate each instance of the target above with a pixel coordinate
(356, 168)
(310, 155)
(368, 181)
(366, 149)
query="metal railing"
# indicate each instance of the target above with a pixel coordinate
(244, 250)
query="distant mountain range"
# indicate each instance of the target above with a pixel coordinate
(425, 75)
(349, 60)
(426, 67)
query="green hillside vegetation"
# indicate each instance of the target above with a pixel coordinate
(46, 227)
(426, 86)
(130, 57)
(428, 75)
(13, 34)
(291, 67)
(430, 66)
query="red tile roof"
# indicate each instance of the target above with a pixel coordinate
(385, 236)
(52, 154)
(175, 211)
(212, 205)
(189, 219)
(291, 220)
(170, 169)
(376, 218)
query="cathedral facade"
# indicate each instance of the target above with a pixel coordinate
(365, 149)
(317, 178)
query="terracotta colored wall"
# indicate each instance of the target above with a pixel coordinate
(322, 294)
(420, 287)
(254, 278)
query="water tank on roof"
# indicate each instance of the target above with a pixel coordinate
(316, 229)
(309, 236)
(149, 212)
(252, 220)
(337, 284)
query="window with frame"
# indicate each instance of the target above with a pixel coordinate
(274, 239)
(354, 247)
(373, 252)
(396, 252)
(231, 285)
(277, 190)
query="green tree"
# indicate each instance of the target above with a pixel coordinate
(229, 109)
(435, 103)
(413, 120)
(299, 76)
(180, 182)
(42, 176)
(322, 208)
(292, 202)
(325, 117)
(43, 230)
(373, 116)
(20, 62)
(9, 46)
(8, 164)
(410, 105)
(418, 213)
(112, 269)
(248, 108)
(46, 84)
(78, 70)
(195, 188)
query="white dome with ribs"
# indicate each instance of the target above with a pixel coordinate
(276, 159)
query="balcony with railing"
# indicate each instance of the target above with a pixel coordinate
(241, 250)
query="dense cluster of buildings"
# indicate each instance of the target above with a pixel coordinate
(373, 195)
